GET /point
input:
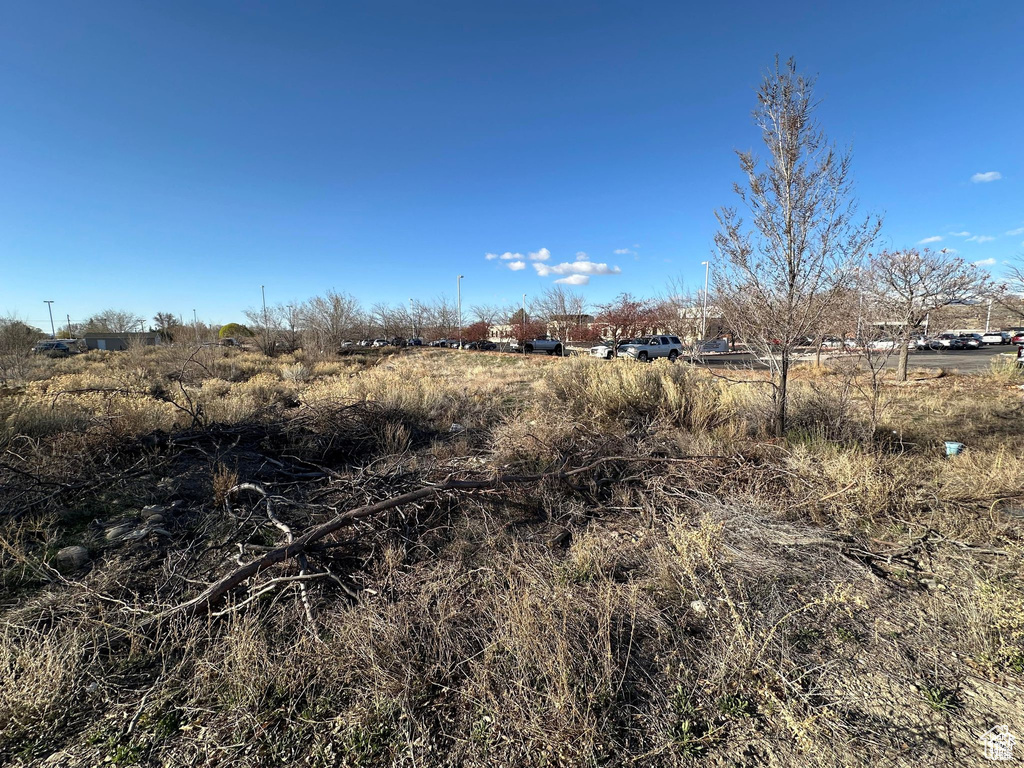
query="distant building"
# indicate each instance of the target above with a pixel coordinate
(118, 342)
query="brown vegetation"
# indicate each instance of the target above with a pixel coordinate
(699, 592)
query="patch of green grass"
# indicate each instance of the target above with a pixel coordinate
(734, 706)
(940, 698)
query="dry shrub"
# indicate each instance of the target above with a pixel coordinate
(535, 440)
(222, 480)
(630, 392)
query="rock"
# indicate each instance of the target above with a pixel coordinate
(154, 513)
(71, 558)
(456, 427)
(698, 607)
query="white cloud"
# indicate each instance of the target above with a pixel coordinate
(932, 239)
(580, 267)
(542, 255)
(574, 280)
(515, 266)
(980, 239)
(981, 178)
(621, 251)
(506, 256)
(960, 234)
(1015, 232)
(984, 263)
(581, 255)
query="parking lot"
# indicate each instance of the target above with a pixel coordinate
(962, 360)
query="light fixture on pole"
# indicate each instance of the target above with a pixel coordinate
(49, 306)
(704, 311)
(458, 290)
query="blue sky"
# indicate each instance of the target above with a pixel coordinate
(175, 156)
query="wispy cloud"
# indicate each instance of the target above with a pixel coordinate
(622, 251)
(579, 267)
(1015, 232)
(515, 266)
(961, 234)
(506, 256)
(574, 280)
(932, 239)
(984, 178)
(542, 255)
(984, 263)
(980, 239)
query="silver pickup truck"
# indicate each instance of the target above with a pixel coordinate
(649, 347)
(543, 344)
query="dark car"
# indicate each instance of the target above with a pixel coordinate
(487, 346)
(53, 349)
(398, 341)
(415, 342)
(971, 340)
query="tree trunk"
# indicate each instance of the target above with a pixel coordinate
(901, 368)
(780, 397)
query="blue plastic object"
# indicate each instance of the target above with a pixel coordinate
(953, 448)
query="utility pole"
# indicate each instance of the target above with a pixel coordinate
(458, 290)
(69, 325)
(988, 317)
(412, 314)
(49, 306)
(704, 312)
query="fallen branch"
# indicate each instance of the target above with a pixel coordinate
(203, 602)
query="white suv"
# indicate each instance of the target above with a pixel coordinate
(649, 347)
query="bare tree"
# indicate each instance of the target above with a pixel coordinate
(564, 311)
(265, 325)
(908, 285)
(16, 341)
(114, 321)
(331, 319)
(776, 280)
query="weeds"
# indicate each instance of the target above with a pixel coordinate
(707, 594)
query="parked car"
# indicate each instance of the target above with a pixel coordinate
(1018, 338)
(946, 341)
(882, 345)
(347, 343)
(379, 343)
(398, 341)
(972, 340)
(604, 349)
(995, 337)
(486, 346)
(544, 344)
(649, 347)
(415, 342)
(439, 343)
(54, 348)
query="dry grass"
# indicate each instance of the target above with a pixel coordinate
(847, 596)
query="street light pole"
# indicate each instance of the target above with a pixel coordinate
(988, 317)
(458, 290)
(704, 312)
(412, 314)
(49, 306)
(69, 325)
